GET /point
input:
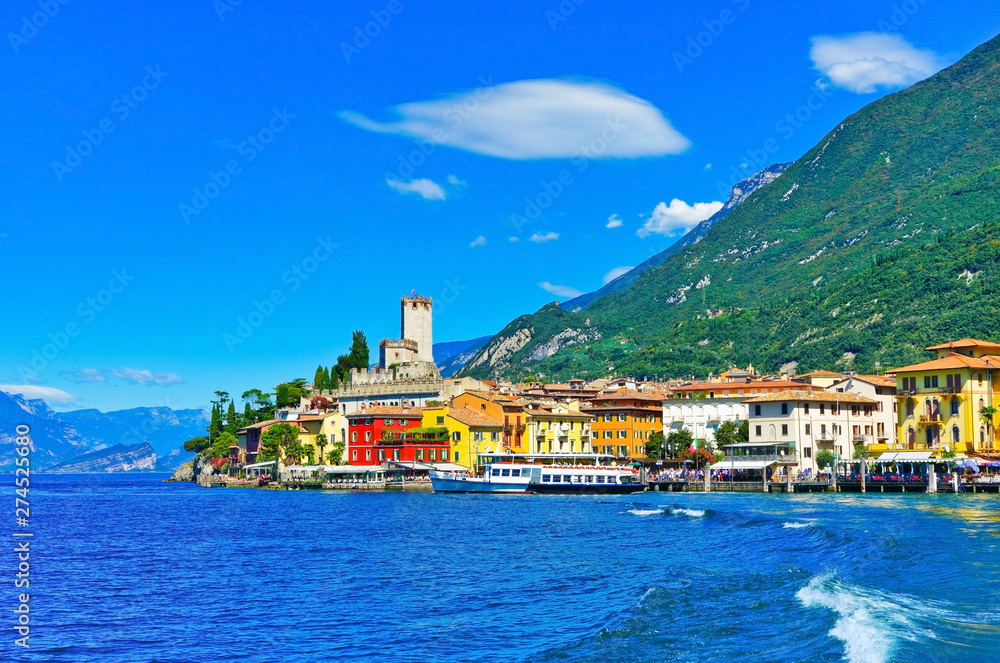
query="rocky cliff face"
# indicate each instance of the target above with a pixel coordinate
(183, 473)
(119, 458)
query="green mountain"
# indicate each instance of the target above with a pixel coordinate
(881, 240)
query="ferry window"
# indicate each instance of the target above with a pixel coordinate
(516, 473)
(506, 473)
(590, 479)
(546, 478)
(578, 479)
(600, 478)
(611, 479)
(556, 478)
(496, 472)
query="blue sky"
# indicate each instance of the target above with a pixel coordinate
(172, 169)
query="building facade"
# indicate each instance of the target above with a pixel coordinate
(558, 428)
(624, 421)
(382, 434)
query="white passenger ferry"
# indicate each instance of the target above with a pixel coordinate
(541, 473)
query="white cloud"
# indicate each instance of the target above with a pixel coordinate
(564, 291)
(479, 241)
(708, 166)
(547, 237)
(81, 375)
(613, 221)
(144, 377)
(425, 188)
(536, 119)
(666, 220)
(515, 238)
(50, 395)
(615, 273)
(864, 61)
(454, 181)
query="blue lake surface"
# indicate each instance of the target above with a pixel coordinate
(129, 568)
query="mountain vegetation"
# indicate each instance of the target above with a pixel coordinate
(882, 239)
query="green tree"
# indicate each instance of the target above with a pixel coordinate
(249, 416)
(232, 425)
(359, 350)
(215, 426)
(321, 441)
(220, 448)
(677, 441)
(319, 380)
(824, 457)
(326, 379)
(196, 444)
(276, 440)
(986, 415)
(732, 432)
(337, 453)
(288, 394)
(261, 403)
(655, 444)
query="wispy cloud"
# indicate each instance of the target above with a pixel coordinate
(544, 237)
(513, 238)
(50, 395)
(82, 375)
(144, 377)
(563, 291)
(537, 119)
(613, 222)
(667, 220)
(479, 241)
(615, 273)
(865, 61)
(425, 188)
(454, 181)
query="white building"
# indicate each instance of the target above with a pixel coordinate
(701, 407)
(810, 421)
(882, 390)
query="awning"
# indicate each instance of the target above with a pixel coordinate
(743, 464)
(905, 456)
(351, 469)
(269, 463)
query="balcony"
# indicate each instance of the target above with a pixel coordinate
(863, 438)
(930, 420)
(825, 437)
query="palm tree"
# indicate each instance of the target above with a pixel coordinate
(321, 441)
(986, 414)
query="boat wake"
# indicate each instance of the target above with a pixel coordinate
(645, 512)
(870, 623)
(796, 525)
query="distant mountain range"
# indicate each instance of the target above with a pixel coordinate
(64, 437)
(740, 192)
(452, 355)
(884, 238)
(119, 458)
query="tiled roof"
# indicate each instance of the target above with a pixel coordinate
(734, 386)
(264, 424)
(953, 360)
(820, 374)
(815, 396)
(880, 380)
(389, 410)
(966, 343)
(625, 395)
(470, 417)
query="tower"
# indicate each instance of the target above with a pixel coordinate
(415, 325)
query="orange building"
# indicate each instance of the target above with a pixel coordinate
(623, 421)
(508, 411)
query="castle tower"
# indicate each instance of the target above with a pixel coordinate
(415, 325)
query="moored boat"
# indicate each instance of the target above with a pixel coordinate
(496, 478)
(588, 480)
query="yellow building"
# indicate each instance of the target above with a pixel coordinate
(940, 402)
(558, 428)
(472, 432)
(331, 424)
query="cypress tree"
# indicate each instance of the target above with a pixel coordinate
(326, 378)
(319, 381)
(231, 424)
(358, 357)
(215, 428)
(249, 416)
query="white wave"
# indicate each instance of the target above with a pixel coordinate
(797, 525)
(648, 592)
(645, 512)
(694, 513)
(871, 623)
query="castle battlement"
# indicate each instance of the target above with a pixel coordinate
(398, 343)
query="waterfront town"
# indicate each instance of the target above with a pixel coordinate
(401, 419)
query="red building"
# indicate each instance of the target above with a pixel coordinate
(383, 433)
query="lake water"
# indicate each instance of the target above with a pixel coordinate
(128, 568)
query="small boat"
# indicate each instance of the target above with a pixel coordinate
(586, 480)
(496, 478)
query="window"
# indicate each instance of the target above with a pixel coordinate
(420, 454)
(822, 408)
(927, 382)
(622, 417)
(368, 454)
(979, 377)
(381, 454)
(954, 406)
(622, 434)
(756, 412)
(784, 408)
(495, 472)
(456, 436)
(756, 431)
(934, 381)
(354, 455)
(805, 408)
(854, 410)
(517, 473)
(387, 422)
(368, 436)
(440, 420)
(607, 434)
(434, 454)
(600, 478)
(784, 429)
(807, 452)
(505, 473)
(546, 478)
(444, 454)
(354, 436)
(607, 417)
(807, 429)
